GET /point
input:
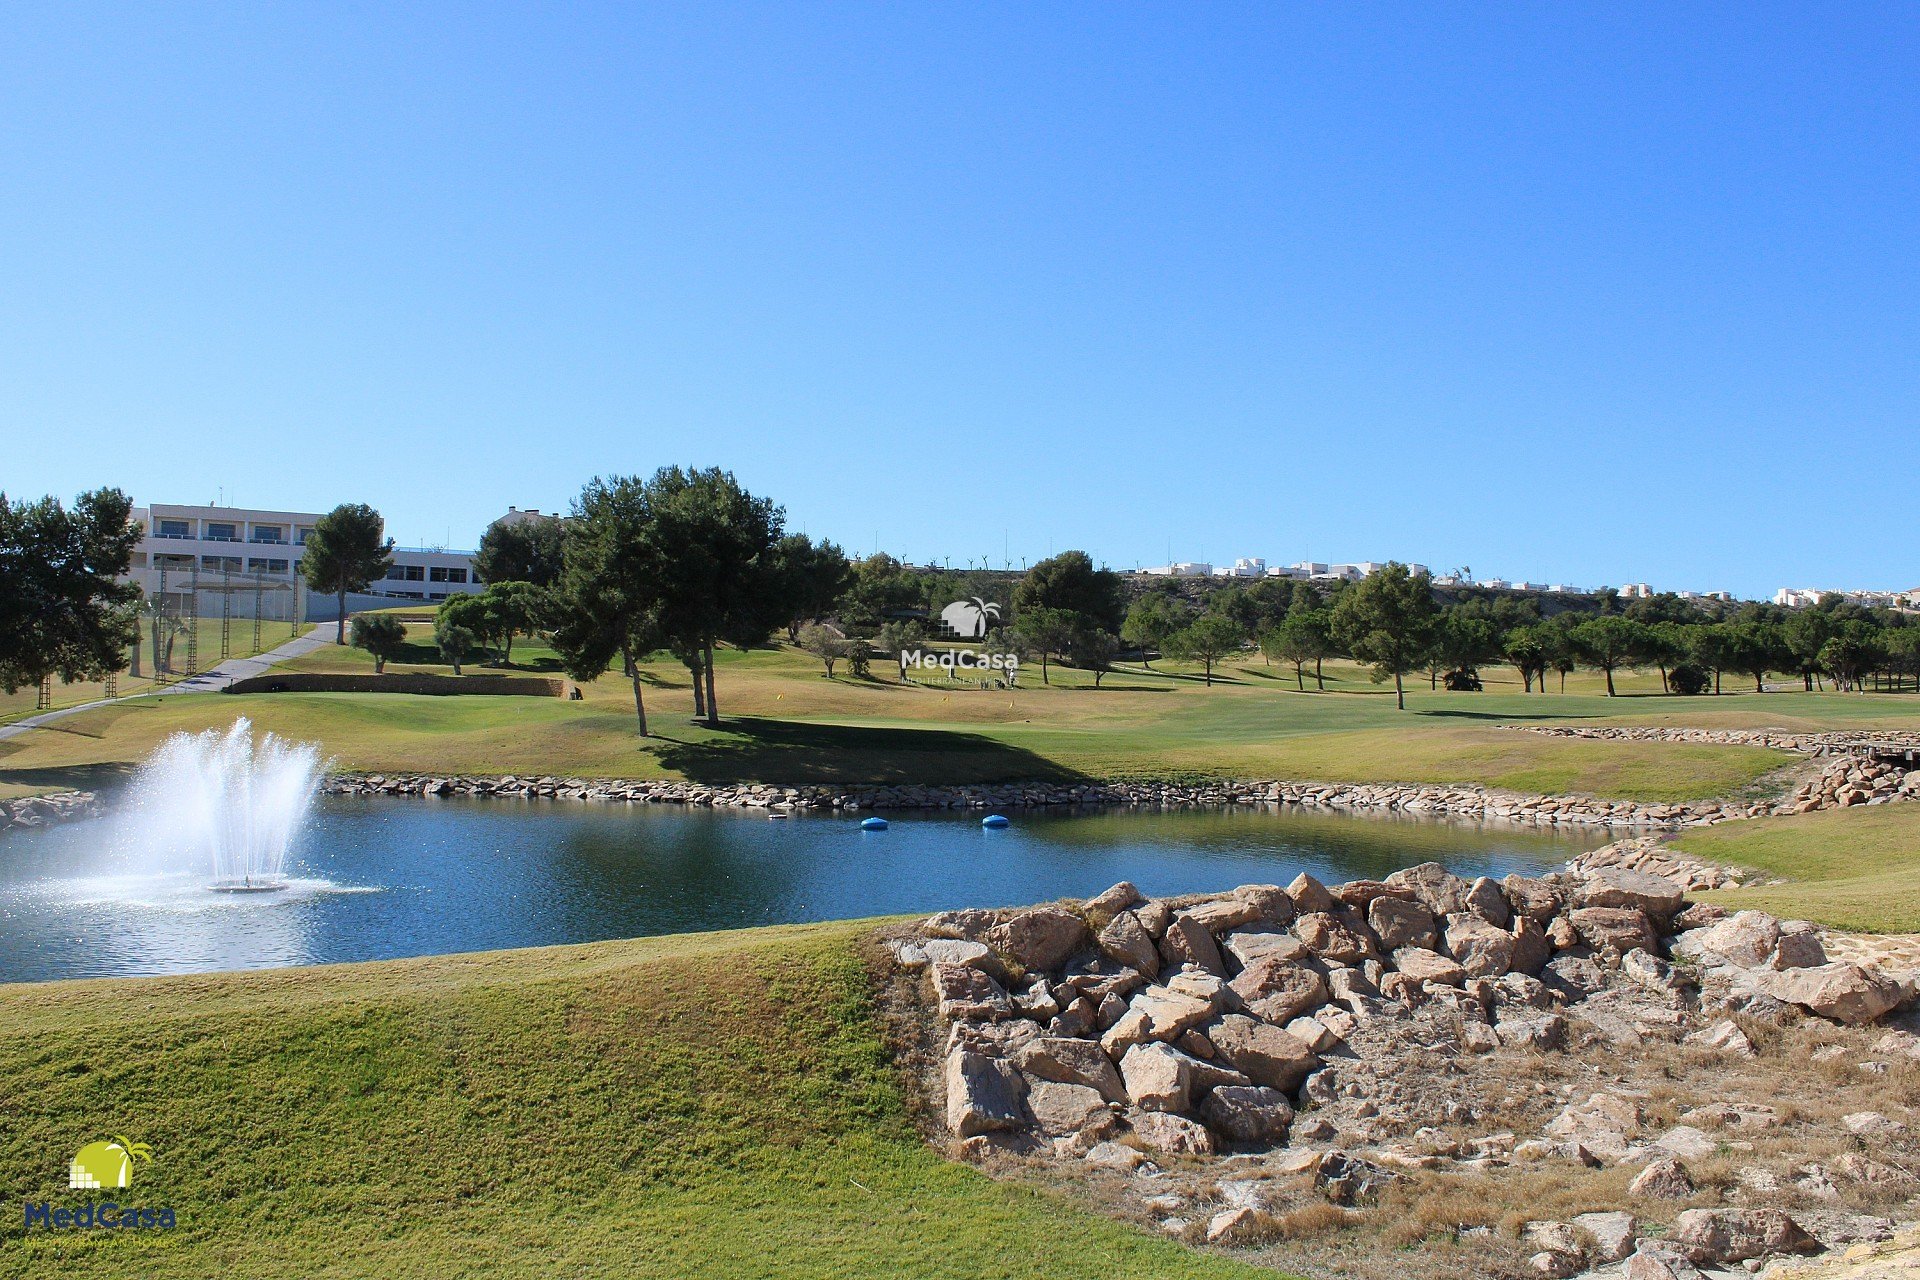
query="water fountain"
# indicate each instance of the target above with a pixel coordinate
(225, 805)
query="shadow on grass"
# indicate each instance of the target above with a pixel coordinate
(77, 777)
(754, 749)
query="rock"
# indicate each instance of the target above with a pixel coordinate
(1279, 990)
(1187, 941)
(1358, 893)
(1662, 1180)
(1113, 1155)
(1858, 1168)
(1037, 1001)
(1154, 916)
(1533, 899)
(1125, 941)
(1265, 1054)
(1309, 895)
(1077, 1019)
(1171, 1134)
(1232, 1227)
(967, 994)
(1872, 1124)
(1157, 1013)
(1222, 914)
(1654, 1262)
(1271, 903)
(1575, 976)
(1332, 938)
(1001, 1039)
(1531, 949)
(1561, 935)
(1485, 900)
(1650, 971)
(1059, 1109)
(971, 925)
(1401, 922)
(1733, 1115)
(1726, 1037)
(1555, 1266)
(1423, 965)
(1345, 1178)
(1105, 906)
(1313, 1033)
(1555, 1237)
(1838, 990)
(1161, 1078)
(1683, 1140)
(1697, 915)
(1615, 930)
(1248, 1113)
(1075, 1062)
(1734, 1235)
(1203, 986)
(1433, 887)
(1745, 938)
(1246, 946)
(1904, 1044)
(983, 1095)
(1040, 938)
(1799, 947)
(1656, 896)
(1484, 950)
(1613, 1234)
(1541, 1032)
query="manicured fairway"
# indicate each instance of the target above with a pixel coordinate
(700, 1105)
(1853, 868)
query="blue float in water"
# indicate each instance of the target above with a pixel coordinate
(873, 824)
(995, 820)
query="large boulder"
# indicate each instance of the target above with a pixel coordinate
(1402, 922)
(1434, 887)
(1170, 1134)
(1222, 914)
(1105, 906)
(1663, 1179)
(1534, 899)
(1041, 938)
(1423, 965)
(1126, 941)
(1485, 900)
(1264, 1053)
(1157, 1013)
(970, 923)
(1531, 950)
(1308, 894)
(1279, 990)
(1075, 1062)
(1484, 949)
(1334, 937)
(1244, 946)
(1187, 941)
(1799, 947)
(968, 995)
(1613, 1234)
(1659, 897)
(1615, 930)
(1838, 990)
(1248, 1113)
(1734, 1235)
(984, 1095)
(1061, 1110)
(1160, 1077)
(1745, 938)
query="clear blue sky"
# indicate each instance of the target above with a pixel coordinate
(1590, 293)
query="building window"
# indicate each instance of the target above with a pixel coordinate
(300, 535)
(456, 575)
(217, 532)
(269, 533)
(256, 564)
(441, 573)
(396, 573)
(416, 573)
(175, 529)
(218, 563)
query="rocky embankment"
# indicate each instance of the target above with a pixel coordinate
(44, 811)
(1238, 1057)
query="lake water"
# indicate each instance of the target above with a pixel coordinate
(376, 878)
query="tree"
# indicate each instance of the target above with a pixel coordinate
(1387, 621)
(1091, 649)
(1069, 582)
(1464, 643)
(453, 641)
(881, 590)
(1151, 619)
(514, 607)
(1045, 632)
(1206, 640)
(1609, 642)
(1710, 647)
(528, 550)
(1852, 651)
(382, 635)
(346, 550)
(825, 644)
(63, 610)
(1755, 648)
(1804, 634)
(605, 604)
(1298, 638)
(1529, 650)
(809, 577)
(478, 614)
(1666, 644)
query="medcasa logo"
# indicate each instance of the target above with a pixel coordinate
(969, 619)
(101, 1166)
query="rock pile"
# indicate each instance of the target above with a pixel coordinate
(43, 811)
(1654, 856)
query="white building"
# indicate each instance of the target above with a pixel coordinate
(218, 550)
(1182, 569)
(1243, 568)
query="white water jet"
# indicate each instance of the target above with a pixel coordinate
(223, 805)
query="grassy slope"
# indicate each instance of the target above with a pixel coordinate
(786, 723)
(1853, 868)
(713, 1104)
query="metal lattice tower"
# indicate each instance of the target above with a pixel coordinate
(226, 612)
(259, 597)
(193, 622)
(157, 607)
(111, 687)
(45, 701)
(293, 610)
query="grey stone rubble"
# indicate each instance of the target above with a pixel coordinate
(1452, 801)
(1269, 1032)
(45, 810)
(1653, 855)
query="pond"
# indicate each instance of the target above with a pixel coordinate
(375, 878)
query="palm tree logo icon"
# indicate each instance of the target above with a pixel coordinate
(968, 617)
(106, 1164)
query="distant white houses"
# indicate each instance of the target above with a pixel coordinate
(1806, 597)
(1181, 569)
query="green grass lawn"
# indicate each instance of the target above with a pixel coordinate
(1855, 868)
(785, 723)
(699, 1105)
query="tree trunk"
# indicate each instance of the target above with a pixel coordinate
(1758, 685)
(1609, 671)
(700, 693)
(1043, 668)
(340, 633)
(1563, 682)
(639, 702)
(507, 657)
(1208, 664)
(1318, 678)
(1300, 676)
(1399, 694)
(713, 701)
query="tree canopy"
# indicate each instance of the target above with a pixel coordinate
(347, 550)
(62, 610)
(1387, 621)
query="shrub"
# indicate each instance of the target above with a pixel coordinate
(1689, 679)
